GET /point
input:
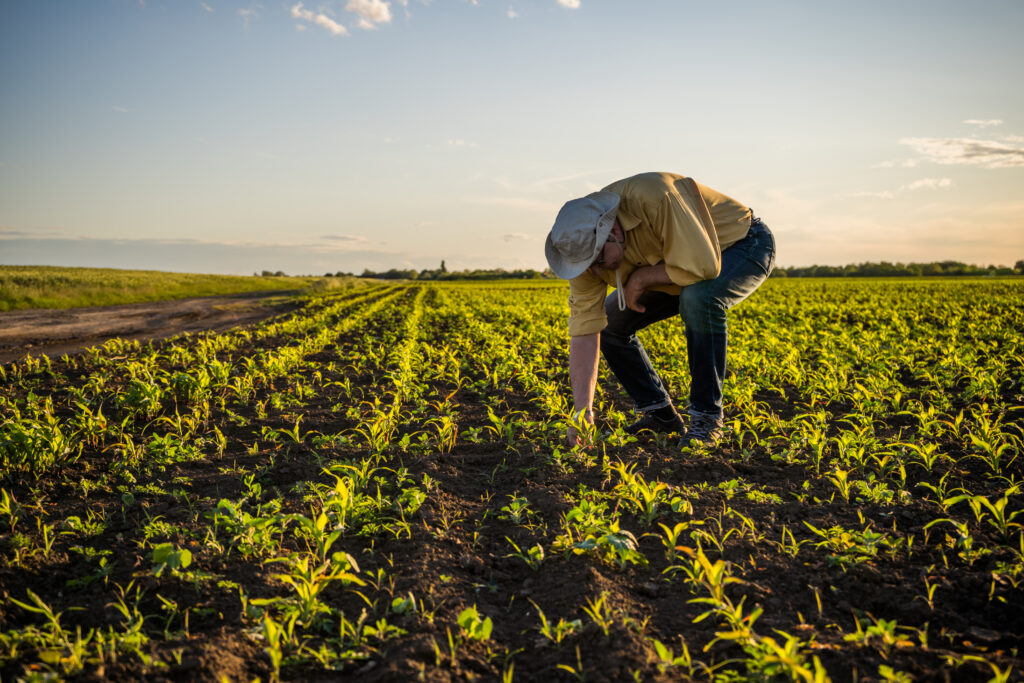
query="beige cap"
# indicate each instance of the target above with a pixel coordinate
(579, 233)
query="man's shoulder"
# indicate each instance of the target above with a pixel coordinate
(653, 183)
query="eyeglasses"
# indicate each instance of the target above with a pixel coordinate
(599, 261)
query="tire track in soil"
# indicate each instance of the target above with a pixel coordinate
(54, 332)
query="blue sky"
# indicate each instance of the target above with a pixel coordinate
(316, 137)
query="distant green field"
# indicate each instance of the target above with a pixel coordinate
(55, 287)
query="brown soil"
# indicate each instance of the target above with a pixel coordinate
(456, 554)
(56, 331)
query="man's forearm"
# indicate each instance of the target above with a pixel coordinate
(640, 280)
(650, 276)
(583, 359)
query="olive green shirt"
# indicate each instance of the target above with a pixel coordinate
(667, 218)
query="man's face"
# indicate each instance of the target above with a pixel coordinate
(612, 253)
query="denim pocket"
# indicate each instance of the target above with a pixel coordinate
(761, 248)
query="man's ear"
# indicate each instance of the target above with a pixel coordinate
(617, 230)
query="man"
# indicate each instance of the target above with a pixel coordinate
(669, 245)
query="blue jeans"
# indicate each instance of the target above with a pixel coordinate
(702, 307)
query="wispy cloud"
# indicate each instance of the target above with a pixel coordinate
(7, 233)
(123, 110)
(527, 203)
(248, 14)
(511, 13)
(987, 153)
(559, 180)
(897, 163)
(346, 241)
(920, 184)
(984, 123)
(571, 4)
(318, 18)
(206, 7)
(881, 194)
(330, 24)
(511, 236)
(197, 256)
(929, 184)
(370, 12)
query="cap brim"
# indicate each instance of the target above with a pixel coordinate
(568, 269)
(560, 266)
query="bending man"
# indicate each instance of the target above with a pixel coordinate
(668, 245)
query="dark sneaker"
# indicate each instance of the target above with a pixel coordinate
(662, 420)
(704, 428)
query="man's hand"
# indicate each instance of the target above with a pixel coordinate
(579, 432)
(634, 290)
(640, 280)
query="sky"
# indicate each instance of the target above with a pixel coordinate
(317, 137)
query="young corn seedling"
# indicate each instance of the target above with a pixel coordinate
(10, 509)
(533, 557)
(667, 659)
(309, 580)
(556, 633)
(600, 612)
(644, 497)
(518, 511)
(57, 646)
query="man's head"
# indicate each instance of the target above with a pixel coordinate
(580, 232)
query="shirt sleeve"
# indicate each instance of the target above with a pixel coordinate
(586, 305)
(691, 248)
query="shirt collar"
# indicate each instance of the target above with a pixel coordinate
(627, 220)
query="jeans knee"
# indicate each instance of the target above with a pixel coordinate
(697, 298)
(612, 339)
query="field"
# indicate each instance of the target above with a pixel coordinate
(377, 487)
(24, 287)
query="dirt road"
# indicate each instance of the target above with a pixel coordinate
(58, 331)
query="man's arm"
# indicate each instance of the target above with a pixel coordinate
(642, 279)
(583, 359)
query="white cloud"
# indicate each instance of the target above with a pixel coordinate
(570, 4)
(248, 15)
(984, 123)
(525, 203)
(508, 237)
(897, 163)
(512, 14)
(298, 11)
(929, 184)
(330, 24)
(987, 153)
(370, 12)
(206, 7)
(920, 184)
(346, 241)
(9, 233)
(884, 194)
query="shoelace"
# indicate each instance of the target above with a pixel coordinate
(618, 291)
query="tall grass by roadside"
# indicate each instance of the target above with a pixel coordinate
(56, 287)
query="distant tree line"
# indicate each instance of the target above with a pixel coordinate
(880, 269)
(443, 273)
(887, 269)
